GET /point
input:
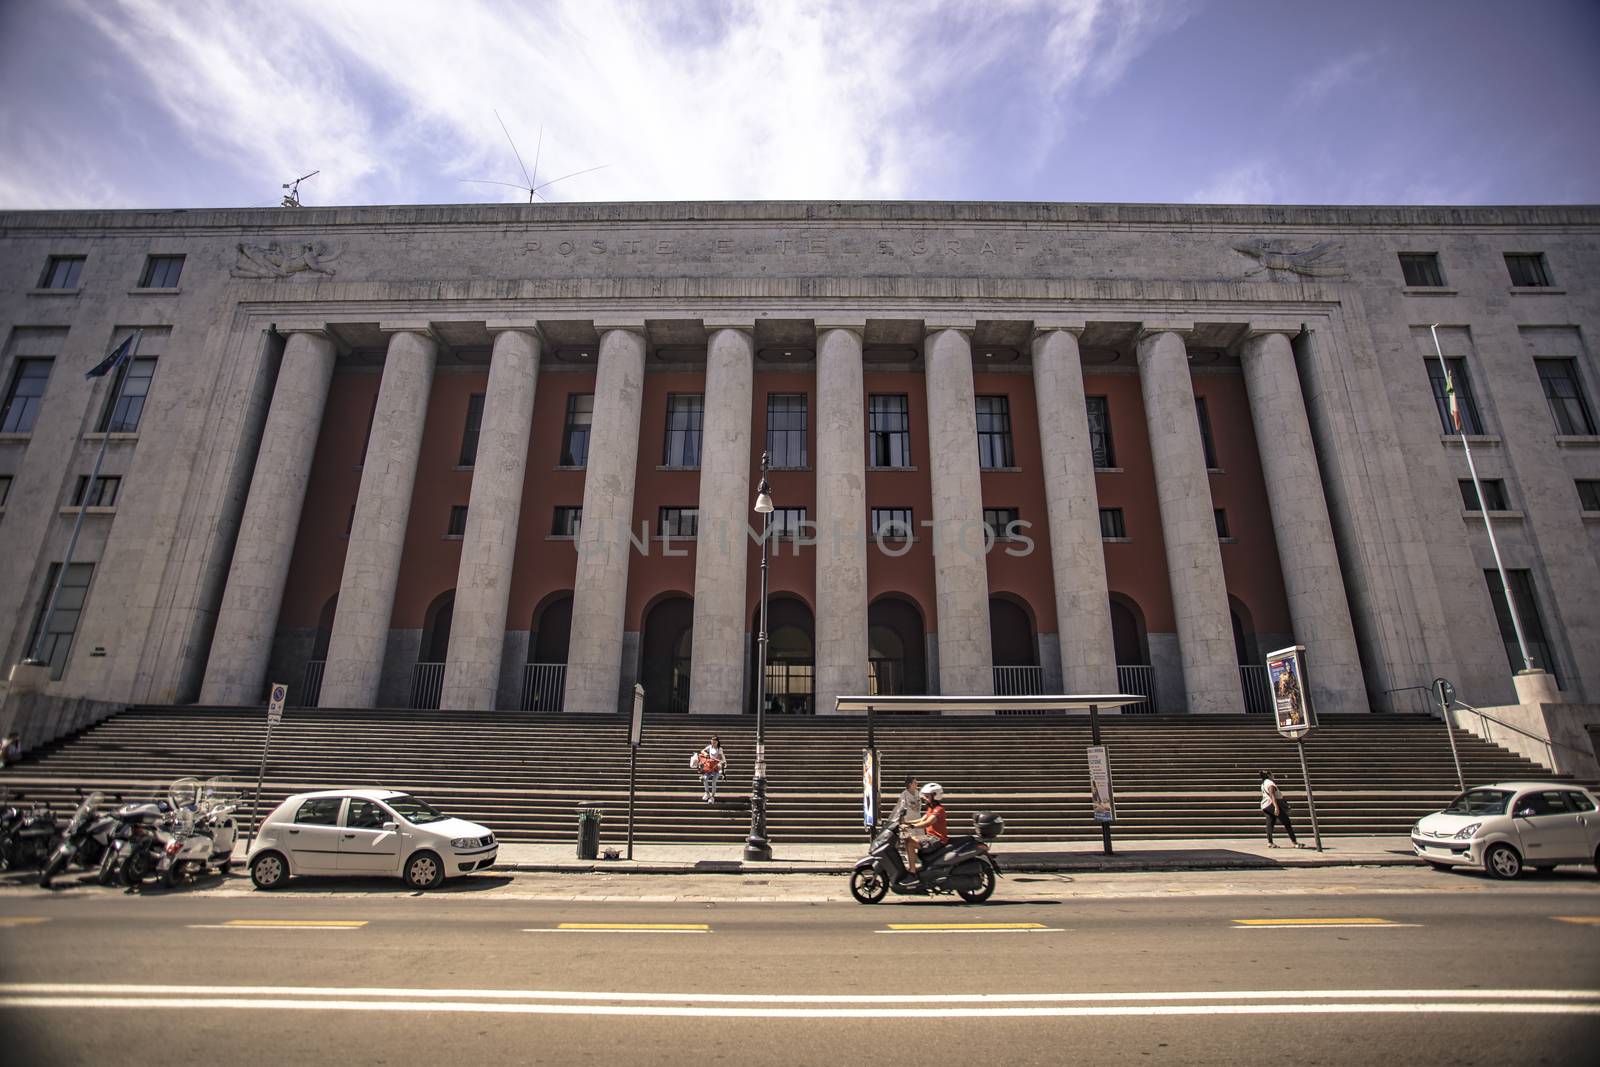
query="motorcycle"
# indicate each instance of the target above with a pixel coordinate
(963, 867)
(199, 832)
(85, 841)
(137, 844)
(27, 835)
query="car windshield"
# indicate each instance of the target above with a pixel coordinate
(415, 811)
(1480, 802)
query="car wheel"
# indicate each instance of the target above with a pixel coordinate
(1502, 861)
(269, 871)
(424, 870)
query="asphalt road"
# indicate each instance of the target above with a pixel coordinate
(1327, 967)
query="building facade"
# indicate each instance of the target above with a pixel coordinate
(505, 456)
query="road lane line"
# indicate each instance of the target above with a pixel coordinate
(697, 927)
(1581, 920)
(965, 926)
(23, 920)
(1321, 924)
(282, 924)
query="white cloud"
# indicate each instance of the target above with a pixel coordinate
(1252, 182)
(1330, 77)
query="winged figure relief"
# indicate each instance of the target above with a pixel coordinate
(281, 261)
(1321, 260)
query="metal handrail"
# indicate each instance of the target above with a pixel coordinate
(1519, 730)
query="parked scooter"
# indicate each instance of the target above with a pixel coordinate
(200, 831)
(27, 835)
(85, 841)
(137, 846)
(963, 867)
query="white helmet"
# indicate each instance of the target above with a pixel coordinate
(933, 791)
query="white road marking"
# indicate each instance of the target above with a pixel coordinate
(1332, 926)
(274, 926)
(1014, 930)
(556, 930)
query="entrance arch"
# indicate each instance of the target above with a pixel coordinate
(791, 655)
(896, 648)
(666, 650)
(1014, 649)
(1247, 651)
(1130, 643)
(544, 676)
(427, 677)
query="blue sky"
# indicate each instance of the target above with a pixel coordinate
(201, 103)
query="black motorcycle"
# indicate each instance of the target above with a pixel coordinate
(963, 867)
(85, 841)
(136, 844)
(27, 835)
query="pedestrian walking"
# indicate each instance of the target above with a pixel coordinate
(710, 762)
(1275, 809)
(11, 749)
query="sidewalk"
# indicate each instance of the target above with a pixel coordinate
(1193, 854)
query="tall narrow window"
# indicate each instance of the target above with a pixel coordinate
(679, 522)
(1533, 631)
(1588, 494)
(575, 438)
(5, 488)
(892, 523)
(1421, 268)
(25, 395)
(1528, 270)
(61, 272)
(372, 420)
(1112, 526)
(469, 433)
(1466, 404)
(786, 522)
(999, 521)
(994, 432)
(161, 272)
(63, 622)
(1207, 446)
(1221, 517)
(567, 522)
(458, 521)
(888, 431)
(786, 429)
(1105, 454)
(103, 494)
(1564, 393)
(133, 386)
(685, 418)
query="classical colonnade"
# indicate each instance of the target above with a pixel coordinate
(236, 669)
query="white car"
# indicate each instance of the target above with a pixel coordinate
(1508, 826)
(366, 831)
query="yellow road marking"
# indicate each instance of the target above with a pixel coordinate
(1582, 920)
(633, 926)
(22, 920)
(1315, 922)
(966, 926)
(295, 922)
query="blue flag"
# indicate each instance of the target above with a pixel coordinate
(118, 356)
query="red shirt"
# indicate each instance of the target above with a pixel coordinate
(937, 827)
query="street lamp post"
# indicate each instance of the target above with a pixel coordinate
(756, 846)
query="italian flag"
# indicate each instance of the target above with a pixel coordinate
(1450, 393)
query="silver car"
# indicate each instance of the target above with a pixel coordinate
(1509, 826)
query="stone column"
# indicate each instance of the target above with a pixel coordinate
(841, 624)
(478, 627)
(1312, 578)
(600, 592)
(383, 506)
(960, 569)
(1077, 556)
(1188, 526)
(236, 672)
(716, 672)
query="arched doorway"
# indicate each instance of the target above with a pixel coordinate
(1014, 650)
(791, 656)
(666, 651)
(544, 676)
(427, 677)
(896, 648)
(311, 681)
(1130, 643)
(1247, 652)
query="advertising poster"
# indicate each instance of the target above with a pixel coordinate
(1291, 704)
(1100, 796)
(869, 788)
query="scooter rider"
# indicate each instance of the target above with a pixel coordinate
(906, 810)
(933, 818)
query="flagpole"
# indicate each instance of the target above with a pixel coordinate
(1483, 507)
(34, 656)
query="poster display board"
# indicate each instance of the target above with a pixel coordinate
(1291, 696)
(869, 788)
(1100, 795)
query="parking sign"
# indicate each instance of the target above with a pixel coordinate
(280, 693)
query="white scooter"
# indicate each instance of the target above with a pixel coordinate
(200, 831)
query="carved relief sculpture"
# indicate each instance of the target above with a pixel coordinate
(1321, 260)
(278, 261)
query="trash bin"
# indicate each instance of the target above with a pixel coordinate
(588, 832)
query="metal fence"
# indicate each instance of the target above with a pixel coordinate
(427, 685)
(1018, 681)
(544, 686)
(1140, 680)
(311, 684)
(1257, 689)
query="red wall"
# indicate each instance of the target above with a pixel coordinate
(545, 568)
(909, 575)
(1028, 578)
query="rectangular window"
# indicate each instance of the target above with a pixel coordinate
(567, 522)
(1111, 524)
(63, 623)
(25, 395)
(1527, 270)
(786, 429)
(469, 432)
(575, 438)
(1207, 446)
(61, 272)
(1466, 404)
(103, 495)
(1221, 517)
(1105, 454)
(1588, 494)
(161, 272)
(997, 520)
(458, 521)
(1494, 493)
(994, 432)
(685, 419)
(786, 521)
(372, 419)
(888, 431)
(1521, 583)
(319, 811)
(1564, 394)
(5, 488)
(350, 521)
(679, 522)
(1421, 268)
(133, 386)
(892, 523)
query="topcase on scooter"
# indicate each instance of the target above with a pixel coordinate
(988, 825)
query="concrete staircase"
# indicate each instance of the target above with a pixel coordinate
(524, 774)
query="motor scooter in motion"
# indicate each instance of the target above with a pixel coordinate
(963, 867)
(85, 841)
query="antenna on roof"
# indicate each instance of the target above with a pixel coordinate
(292, 197)
(534, 185)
